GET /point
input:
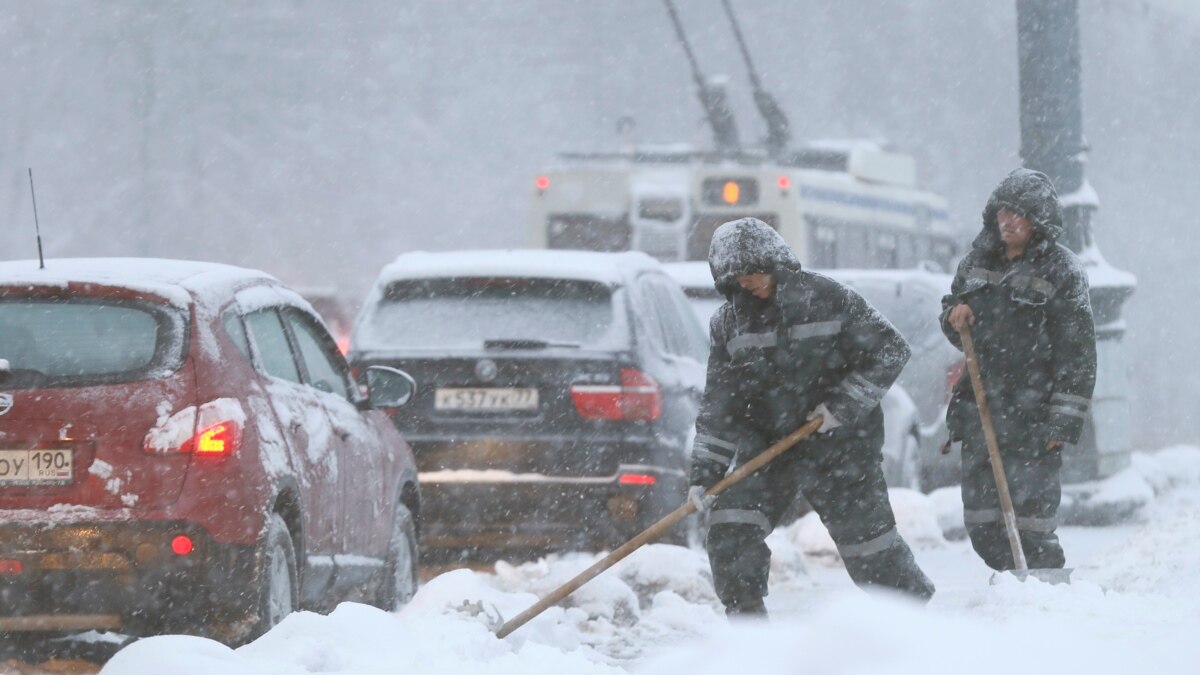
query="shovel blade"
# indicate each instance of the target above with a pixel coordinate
(1045, 575)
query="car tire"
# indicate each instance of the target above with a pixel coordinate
(910, 464)
(279, 581)
(399, 581)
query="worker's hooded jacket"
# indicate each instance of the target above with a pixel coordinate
(773, 361)
(1033, 330)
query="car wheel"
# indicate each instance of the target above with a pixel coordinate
(399, 583)
(910, 464)
(279, 587)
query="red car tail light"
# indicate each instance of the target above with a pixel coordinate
(637, 479)
(11, 567)
(182, 545)
(213, 430)
(637, 398)
(219, 439)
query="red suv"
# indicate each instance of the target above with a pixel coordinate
(182, 447)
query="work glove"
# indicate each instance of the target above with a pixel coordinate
(828, 421)
(697, 498)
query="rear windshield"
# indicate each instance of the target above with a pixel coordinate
(705, 302)
(467, 313)
(86, 341)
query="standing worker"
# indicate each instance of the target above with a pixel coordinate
(1025, 299)
(786, 346)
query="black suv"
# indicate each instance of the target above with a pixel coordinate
(557, 392)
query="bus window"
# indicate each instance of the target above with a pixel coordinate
(885, 250)
(822, 245)
(857, 250)
(943, 254)
(906, 251)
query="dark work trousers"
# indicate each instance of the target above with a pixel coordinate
(840, 474)
(1033, 482)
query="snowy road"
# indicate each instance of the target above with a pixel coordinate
(1134, 606)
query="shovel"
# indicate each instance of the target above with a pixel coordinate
(1021, 571)
(658, 529)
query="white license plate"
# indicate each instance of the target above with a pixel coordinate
(36, 467)
(486, 399)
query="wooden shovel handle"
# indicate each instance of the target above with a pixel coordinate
(993, 446)
(656, 530)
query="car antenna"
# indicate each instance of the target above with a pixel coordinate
(36, 226)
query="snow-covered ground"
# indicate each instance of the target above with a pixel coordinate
(1133, 606)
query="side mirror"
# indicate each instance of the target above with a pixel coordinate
(389, 387)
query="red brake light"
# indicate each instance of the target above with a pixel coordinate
(11, 567)
(181, 545)
(219, 439)
(636, 479)
(637, 398)
(215, 430)
(784, 182)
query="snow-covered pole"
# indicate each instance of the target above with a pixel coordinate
(1051, 106)
(1052, 141)
(658, 529)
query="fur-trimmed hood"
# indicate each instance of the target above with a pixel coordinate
(747, 246)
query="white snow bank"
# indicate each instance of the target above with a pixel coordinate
(866, 634)
(1128, 493)
(947, 503)
(428, 636)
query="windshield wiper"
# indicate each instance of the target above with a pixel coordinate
(527, 344)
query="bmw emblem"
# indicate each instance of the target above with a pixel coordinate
(486, 370)
(6, 402)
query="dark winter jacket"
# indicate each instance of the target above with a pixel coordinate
(773, 361)
(1033, 330)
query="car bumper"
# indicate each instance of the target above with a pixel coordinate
(116, 576)
(497, 510)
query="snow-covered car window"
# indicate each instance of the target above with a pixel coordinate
(324, 372)
(467, 313)
(236, 332)
(272, 343)
(82, 341)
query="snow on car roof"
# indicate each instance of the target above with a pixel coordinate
(691, 274)
(607, 268)
(178, 281)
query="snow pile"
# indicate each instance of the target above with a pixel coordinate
(1126, 494)
(948, 505)
(660, 594)
(877, 634)
(1130, 608)
(357, 639)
